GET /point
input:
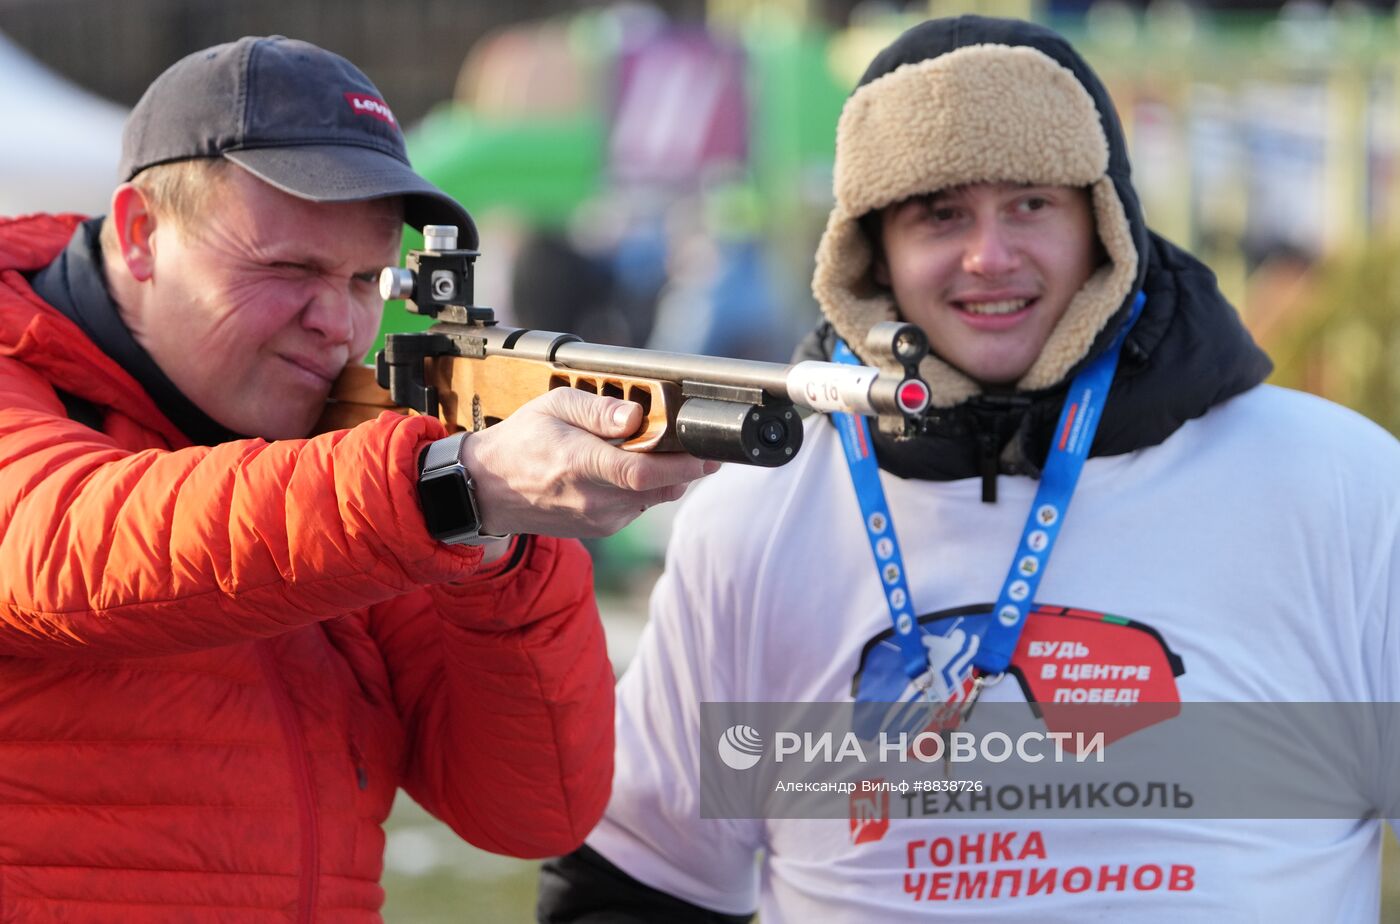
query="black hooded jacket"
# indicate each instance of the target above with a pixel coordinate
(1187, 352)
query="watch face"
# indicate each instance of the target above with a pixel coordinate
(447, 505)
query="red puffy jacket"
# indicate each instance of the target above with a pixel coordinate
(217, 664)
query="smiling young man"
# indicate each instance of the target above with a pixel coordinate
(1228, 542)
(987, 269)
(225, 643)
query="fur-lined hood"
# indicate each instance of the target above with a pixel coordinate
(973, 99)
(976, 100)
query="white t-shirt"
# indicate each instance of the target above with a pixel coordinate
(1259, 543)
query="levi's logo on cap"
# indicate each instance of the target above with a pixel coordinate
(364, 104)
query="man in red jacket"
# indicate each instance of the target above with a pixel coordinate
(224, 644)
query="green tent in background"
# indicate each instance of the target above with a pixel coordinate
(796, 100)
(540, 170)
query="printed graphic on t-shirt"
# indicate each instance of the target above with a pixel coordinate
(1076, 669)
(870, 814)
(1021, 863)
(1064, 656)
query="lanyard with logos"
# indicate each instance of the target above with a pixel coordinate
(1074, 434)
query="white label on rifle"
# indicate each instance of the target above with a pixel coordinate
(832, 387)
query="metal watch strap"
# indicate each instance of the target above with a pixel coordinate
(446, 453)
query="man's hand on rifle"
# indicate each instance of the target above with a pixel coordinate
(548, 469)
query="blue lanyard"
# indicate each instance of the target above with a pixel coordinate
(1074, 434)
(879, 529)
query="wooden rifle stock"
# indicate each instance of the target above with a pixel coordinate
(476, 393)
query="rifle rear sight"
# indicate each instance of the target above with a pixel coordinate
(449, 273)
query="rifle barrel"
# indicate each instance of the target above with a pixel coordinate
(654, 364)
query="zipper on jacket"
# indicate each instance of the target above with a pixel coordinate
(295, 741)
(994, 419)
(987, 456)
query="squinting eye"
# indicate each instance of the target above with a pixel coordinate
(368, 279)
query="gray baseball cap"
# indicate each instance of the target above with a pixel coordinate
(296, 116)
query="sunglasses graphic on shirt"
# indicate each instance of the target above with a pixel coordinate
(1077, 669)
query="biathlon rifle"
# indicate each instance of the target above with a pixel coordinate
(471, 372)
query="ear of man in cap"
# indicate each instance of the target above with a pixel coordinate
(978, 100)
(298, 117)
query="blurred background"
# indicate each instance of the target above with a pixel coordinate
(658, 175)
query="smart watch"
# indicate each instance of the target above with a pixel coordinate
(447, 496)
